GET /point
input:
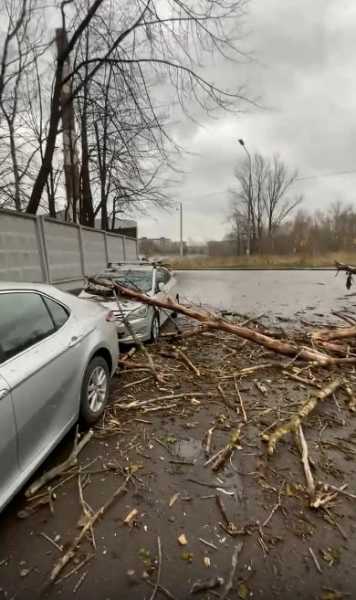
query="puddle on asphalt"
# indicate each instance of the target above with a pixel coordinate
(188, 449)
(227, 481)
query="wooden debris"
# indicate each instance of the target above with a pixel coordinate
(182, 539)
(187, 361)
(303, 447)
(228, 525)
(209, 438)
(130, 517)
(70, 462)
(352, 397)
(70, 552)
(173, 499)
(225, 453)
(242, 406)
(273, 438)
(315, 560)
(234, 561)
(209, 544)
(158, 580)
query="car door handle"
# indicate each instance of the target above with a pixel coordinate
(74, 341)
(3, 393)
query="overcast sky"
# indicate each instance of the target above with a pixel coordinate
(305, 77)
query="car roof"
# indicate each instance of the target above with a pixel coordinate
(24, 285)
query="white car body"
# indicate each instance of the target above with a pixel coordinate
(142, 318)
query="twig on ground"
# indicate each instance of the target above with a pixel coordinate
(225, 399)
(49, 539)
(224, 454)
(315, 560)
(209, 437)
(234, 562)
(244, 415)
(71, 461)
(273, 438)
(79, 582)
(209, 544)
(187, 361)
(64, 560)
(303, 448)
(158, 580)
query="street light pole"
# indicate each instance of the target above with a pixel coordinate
(248, 247)
(181, 248)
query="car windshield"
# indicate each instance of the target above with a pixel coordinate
(141, 280)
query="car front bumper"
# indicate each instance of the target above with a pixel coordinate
(140, 327)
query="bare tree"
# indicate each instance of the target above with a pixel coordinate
(278, 205)
(260, 205)
(248, 201)
(124, 56)
(146, 43)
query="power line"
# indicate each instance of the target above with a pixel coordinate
(321, 175)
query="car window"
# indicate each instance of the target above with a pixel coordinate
(163, 276)
(133, 279)
(24, 321)
(59, 314)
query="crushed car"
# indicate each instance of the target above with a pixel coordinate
(135, 321)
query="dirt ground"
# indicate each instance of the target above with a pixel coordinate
(255, 507)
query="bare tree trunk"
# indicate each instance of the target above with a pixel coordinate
(86, 216)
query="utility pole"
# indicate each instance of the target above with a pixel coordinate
(71, 160)
(181, 247)
(249, 204)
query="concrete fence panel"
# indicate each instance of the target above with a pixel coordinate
(62, 246)
(20, 248)
(116, 247)
(94, 249)
(44, 249)
(130, 249)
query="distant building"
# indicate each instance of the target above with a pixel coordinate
(162, 245)
(125, 227)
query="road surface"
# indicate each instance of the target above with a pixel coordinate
(289, 294)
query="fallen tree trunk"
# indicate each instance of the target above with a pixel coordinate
(215, 322)
(335, 334)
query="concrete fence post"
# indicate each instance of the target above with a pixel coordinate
(81, 250)
(106, 248)
(42, 247)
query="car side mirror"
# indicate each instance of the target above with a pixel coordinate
(160, 286)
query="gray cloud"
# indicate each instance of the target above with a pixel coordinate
(303, 74)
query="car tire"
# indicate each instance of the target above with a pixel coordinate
(154, 329)
(95, 390)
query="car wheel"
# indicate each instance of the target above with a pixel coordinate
(154, 329)
(95, 390)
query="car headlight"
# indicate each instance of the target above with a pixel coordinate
(141, 311)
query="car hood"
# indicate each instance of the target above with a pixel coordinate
(127, 305)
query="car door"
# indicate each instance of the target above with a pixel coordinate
(9, 471)
(43, 370)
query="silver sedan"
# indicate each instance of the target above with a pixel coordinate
(57, 354)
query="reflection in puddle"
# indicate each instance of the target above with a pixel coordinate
(188, 449)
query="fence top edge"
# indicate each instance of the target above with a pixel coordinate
(15, 213)
(58, 222)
